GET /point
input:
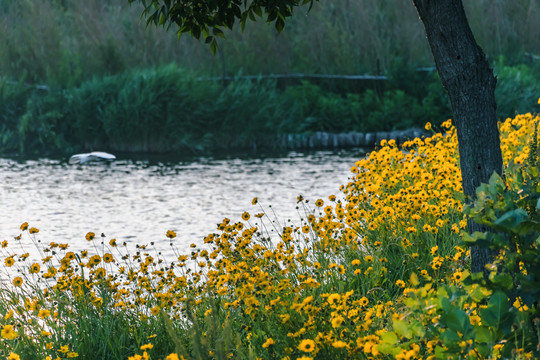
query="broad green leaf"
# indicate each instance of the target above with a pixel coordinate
(450, 336)
(388, 342)
(457, 320)
(504, 280)
(497, 308)
(512, 219)
(496, 184)
(483, 335)
(402, 328)
(479, 293)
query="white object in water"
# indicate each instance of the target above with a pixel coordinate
(93, 156)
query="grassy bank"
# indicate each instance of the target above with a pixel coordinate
(378, 272)
(169, 109)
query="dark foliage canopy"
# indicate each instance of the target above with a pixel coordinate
(208, 18)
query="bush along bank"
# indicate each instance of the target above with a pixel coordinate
(380, 271)
(168, 109)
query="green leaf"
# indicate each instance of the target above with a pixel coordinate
(218, 32)
(483, 335)
(457, 320)
(496, 184)
(402, 328)
(497, 308)
(512, 219)
(280, 24)
(504, 280)
(388, 342)
(389, 337)
(257, 10)
(450, 337)
(479, 293)
(213, 46)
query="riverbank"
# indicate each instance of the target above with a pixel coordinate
(170, 109)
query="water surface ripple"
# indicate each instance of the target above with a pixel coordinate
(137, 201)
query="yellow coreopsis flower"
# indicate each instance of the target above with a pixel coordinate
(269, 342)
(307, 345)
(8, 332)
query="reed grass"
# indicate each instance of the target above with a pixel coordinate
(66, 42)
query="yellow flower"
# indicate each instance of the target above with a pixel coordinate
(24, 226)
(518, 304)
(269, 342)
(332, 298)
(339, 344)
(17, 281)
(171, 234)
(13, 356)
(44, 313)
(400, 283)
(428, 126)
(172, 357)
(306, 345)
(457, 276)
(108, 258)
(254, 201)
(155, 310)
(147, 347)
(8, 332)
(9, 261)
(364, 301)
(33, 230)
(90, 236)
(245, 216)
(337, 321)
(319, 203)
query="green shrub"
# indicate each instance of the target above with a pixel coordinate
(517, 89)
(13, 98)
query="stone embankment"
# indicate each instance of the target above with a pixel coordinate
(324, 140)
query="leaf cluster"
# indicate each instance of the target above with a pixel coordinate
(208, 18)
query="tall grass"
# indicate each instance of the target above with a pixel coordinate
(66, 42)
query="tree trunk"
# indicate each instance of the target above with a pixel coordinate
(469, 81)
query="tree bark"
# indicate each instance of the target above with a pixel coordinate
(469, 81)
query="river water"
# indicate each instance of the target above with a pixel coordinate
(136, 200)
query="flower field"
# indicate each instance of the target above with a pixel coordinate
(380, 271)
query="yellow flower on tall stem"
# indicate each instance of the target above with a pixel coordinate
(8, 332)
(307, 345)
